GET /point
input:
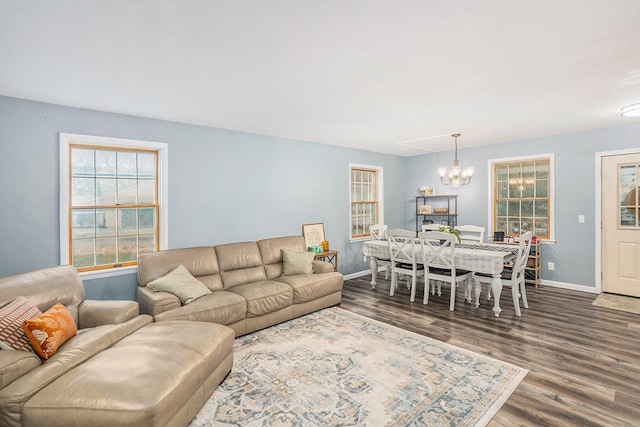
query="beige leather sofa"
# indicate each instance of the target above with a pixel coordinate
(250, 291)
(121, 369)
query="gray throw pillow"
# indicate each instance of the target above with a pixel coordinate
(297, 262)
(180, 283)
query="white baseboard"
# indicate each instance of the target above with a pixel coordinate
(361, 273)
(570, 286)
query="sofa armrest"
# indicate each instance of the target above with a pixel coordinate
(14, 364)
(152, 302)
(96, 313)
(322, 267)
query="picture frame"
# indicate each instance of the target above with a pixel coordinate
(313, 234)
(425, 210)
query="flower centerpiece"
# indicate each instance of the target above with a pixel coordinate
(451, 230)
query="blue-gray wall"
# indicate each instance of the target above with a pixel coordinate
(227, 186)
(224, 186)
(574, 251)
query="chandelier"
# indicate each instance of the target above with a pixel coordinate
(456, 176)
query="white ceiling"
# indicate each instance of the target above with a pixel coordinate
(367, 74)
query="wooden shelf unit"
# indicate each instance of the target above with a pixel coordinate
(533, 268)
(449, 201)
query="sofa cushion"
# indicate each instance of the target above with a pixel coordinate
(240, 263)
(201, 262)
(49, 330)
(271, 252)
(45, 287)
(218, 307)
(307, 287)
(76, 351)
(264, 297)
(12, 316)
(14, 364)
(180, 283)
(297, 262)
(143, 380)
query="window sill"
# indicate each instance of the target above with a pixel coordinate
(111, 272)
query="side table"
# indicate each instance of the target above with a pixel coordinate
(329, 256)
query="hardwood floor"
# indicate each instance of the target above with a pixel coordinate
(583, 361)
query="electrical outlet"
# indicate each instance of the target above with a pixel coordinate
(551, 266)
(581, 219)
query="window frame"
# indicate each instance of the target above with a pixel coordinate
(491, 185)
(97, 142)
(379, 184)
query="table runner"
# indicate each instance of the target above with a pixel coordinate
(488, 247)
(481, 258)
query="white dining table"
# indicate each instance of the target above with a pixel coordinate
(477, 258)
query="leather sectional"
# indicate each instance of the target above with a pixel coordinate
(123, 368)
(249, 290)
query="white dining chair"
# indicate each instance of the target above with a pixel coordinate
(379, 232)
(402, 249)
(438, 252)
(471, 233)
(430, 227)
(511, 276)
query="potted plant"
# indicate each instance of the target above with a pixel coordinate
(450, 230)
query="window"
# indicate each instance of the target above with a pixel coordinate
(366, 199)
(111, 201)
(629, 184)
(523, 196)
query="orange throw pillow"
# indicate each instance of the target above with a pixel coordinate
(50, 330)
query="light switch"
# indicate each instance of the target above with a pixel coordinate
(581, 219)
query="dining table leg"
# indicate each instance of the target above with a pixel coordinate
(496, 287)
(373, 264)
(478, 289)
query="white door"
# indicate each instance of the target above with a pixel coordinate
(620, 224)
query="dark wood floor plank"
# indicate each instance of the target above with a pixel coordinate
(583, 361)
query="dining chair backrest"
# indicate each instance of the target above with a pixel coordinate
(517, 280)
(430, 227)
(402, 245)
(438, 256)
(524, 246)
(471, 233)
(438, 249)
(378, 232)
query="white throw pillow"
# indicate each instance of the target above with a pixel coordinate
(297, 262)
(180, 283)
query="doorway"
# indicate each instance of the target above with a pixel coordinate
(620, 210)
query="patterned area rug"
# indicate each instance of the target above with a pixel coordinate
(336, 368)
(618, 302)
